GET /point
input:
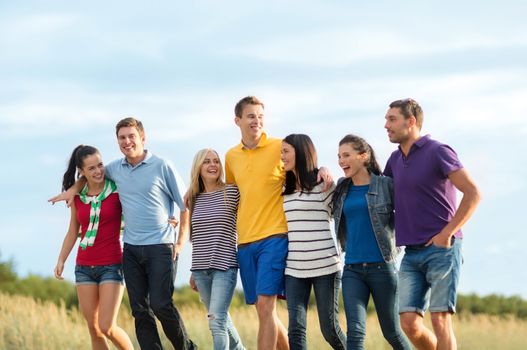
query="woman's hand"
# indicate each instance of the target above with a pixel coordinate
(325, 175)
(173, 221)
(58, 270)
(193, 284)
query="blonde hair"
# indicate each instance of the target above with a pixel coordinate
(196, 182)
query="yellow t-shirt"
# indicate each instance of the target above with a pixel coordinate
(259, 175)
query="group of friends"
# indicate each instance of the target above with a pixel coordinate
(267, 215)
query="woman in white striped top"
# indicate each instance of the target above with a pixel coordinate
(313, 259)
(213, 206)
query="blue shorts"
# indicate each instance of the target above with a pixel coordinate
(262, 266)
(99, 274)
(428, 278)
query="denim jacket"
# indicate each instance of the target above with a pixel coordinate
(380, 207)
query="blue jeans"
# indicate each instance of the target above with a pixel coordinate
(216, 288)
(149, 272)
(326, 289)
(429, 276)
(379, 280)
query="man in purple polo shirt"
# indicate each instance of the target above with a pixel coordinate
(426, 174)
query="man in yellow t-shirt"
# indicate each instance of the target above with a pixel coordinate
(254, 166)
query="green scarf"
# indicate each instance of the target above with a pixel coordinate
(95, 210)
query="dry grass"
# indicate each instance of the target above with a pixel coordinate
(27, 324)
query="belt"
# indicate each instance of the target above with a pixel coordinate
(363, 265)
(416, 246)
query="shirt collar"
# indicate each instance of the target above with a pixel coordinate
(148, 159)
(263, 141)
(423, 140)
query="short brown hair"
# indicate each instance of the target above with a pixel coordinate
(130, 122)
(409, 107)
(249, 100)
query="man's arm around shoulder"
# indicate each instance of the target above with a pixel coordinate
(70, 193)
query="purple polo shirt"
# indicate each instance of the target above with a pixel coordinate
(425, 199)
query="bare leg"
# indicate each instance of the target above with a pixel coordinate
(420, 336)
(271, 332)
(89, 305)
(442, 323)
(110, 296)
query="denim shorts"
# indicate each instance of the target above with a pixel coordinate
(262, 266)
(428, 278)
(99, 274)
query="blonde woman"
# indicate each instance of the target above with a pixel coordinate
(213, 206)
(98, 270)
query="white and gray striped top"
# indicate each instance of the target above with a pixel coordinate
(213, 227)
(312, 250)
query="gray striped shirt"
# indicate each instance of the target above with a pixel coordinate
(213, 227)
(312, 250)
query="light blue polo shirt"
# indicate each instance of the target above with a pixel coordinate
(147, 192)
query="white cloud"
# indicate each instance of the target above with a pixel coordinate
(47, 159)
(451, 102)
(31, 35)
(169, 115)
(40, 25)
(343, 46)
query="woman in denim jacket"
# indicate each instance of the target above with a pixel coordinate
(364, 223)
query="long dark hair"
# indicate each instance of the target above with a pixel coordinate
(76, 162)
(306, 167)
(361, 146)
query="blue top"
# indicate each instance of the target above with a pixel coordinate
(425, 199)
(380, 208)
(147, 192)
(361, 244)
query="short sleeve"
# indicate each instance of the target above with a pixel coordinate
(110, 169)
(447, 160)
(175, 185)
(229, 177)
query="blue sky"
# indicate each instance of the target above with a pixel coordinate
(71, 70)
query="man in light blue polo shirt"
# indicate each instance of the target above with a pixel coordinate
(148, 188)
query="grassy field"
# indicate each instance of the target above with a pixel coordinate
(27, 324)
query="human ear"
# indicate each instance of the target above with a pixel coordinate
(412, 121)
(363, 156)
